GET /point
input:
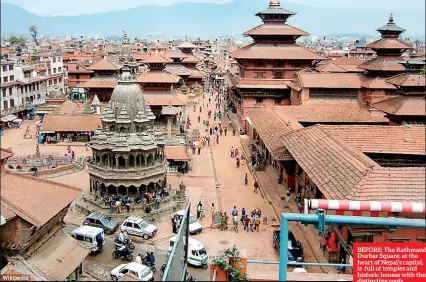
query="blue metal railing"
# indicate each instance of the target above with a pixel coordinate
(335, 220)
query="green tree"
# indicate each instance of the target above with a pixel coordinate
(34, 33)
(423, 71)
(16, 40)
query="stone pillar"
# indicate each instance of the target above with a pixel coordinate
(116, 163)
(116, 190)
(146, 160)
(169, 127)
(108, 163)
(136, 161)
(127, 162)
(127, 191)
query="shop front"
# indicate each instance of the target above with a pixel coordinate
(178, 158)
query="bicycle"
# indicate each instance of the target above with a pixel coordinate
(236, 227)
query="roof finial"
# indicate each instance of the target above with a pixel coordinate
(274, 4)
(391, 19)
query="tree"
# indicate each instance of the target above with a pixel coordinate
(34, 33)
(423, 71)
(16, 40)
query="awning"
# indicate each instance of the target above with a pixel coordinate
(58, 257)
(30, 108)
(8, 118)
(47, 131)
(176, 153)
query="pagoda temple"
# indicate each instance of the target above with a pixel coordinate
(269, 64)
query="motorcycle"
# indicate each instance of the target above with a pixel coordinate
(153, 266)
(189, 277)
(123, 253)
(162, 269)
(128, 242)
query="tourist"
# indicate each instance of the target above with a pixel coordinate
(232, 151)
(243, 214)
(212, 210)
(237, 152)
(35, 174)
(298, 197)
(157, 201)
(224, 222)
(238, 161)
(199, 209)
(251, 222)
(246, 221)
(111, 206)
(199, 149)
(221, 131)
(246, 179)
(118, 206)
(257, 224)
(128, 205)
(243, 158)
(234, 211)
(199, 118)
(259, 213)
(225, 130)
(138, 259)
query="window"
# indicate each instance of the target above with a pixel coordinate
(59, 69)
(26, 89)
(87, 239)
(60, 79)
(124, 270)
(136, 226)
(5, 68)
(259, 100)
(277, 101)
(98, 222)
(4, 92)
(12, 103)
(278, 75)
(12, 78)
(260, 63)
(50, 82)
(129, 224)
(77, 76)
(79, 237)
(59, 59)
(10, 67)
(10, 91)
(77, 67)
(38, 96)
(55, 81)
(37, 86)
(22, 101)
(54, 59)
(5, 79)
(279, 63)
(133, 273)
(260, 75)
(54, 70)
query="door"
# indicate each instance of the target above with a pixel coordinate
(98, 223)
(129, 227)
(123, 272)
(137, 229)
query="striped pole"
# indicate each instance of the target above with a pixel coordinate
(343, 205)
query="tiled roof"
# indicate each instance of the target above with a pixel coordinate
(263, 83)
(389, 43)
(272, 128)
(377, 83)
(330, 80)
(351, 68)
(177, 153)
(269, 51)
(335, 167)
(330, 67)
(105, 64)
(408, 80)
(157, 77)
(67, 108)
(58, 258)
(7, 211)
(140, 57)
(275, 29)
(34, 199)
(186, 44)
(165, 99)
(157, 58)
(178, 69)
(399, 184)
(197, 74)
(382, 139)
(71, 123)
(402, 106)
(100, 81)
(388, 63)
(191, 59)
(325, 111)
(175, 54)
(347, 61)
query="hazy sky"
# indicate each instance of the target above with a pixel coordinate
(76, 7)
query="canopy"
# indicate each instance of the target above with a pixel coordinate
(8, 118)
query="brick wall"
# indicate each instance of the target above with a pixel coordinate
(11, 232)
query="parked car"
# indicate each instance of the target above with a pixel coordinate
(140, 271)
(139, 227)
(294, 247)
(194, 226)
(97, 219)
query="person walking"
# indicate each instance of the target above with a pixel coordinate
(212, 211)
(246, 179)
(199, 209)
(174, 225)
(138, 259)
(246, 223)
(235, 211)
(225, 130)
(232, 151)
(243, 214)
(118, 206)
(251, 222)
(256, 186)
(288, 196)
(128, 205)
(157, 201)
(199, 149)
(224, 222)
(257, 224)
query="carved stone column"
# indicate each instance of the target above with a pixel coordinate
(116, 163)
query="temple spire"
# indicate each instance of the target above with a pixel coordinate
(274, 4)
(391, 19)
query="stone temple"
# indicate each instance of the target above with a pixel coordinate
(128, 152)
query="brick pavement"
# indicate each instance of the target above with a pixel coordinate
(274, 192)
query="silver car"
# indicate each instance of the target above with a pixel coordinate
(139, 227)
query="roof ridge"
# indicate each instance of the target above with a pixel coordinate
(20, 212)
(49, 181)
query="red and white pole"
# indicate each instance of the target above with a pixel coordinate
(343, 205)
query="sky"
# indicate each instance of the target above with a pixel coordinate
(78, 7)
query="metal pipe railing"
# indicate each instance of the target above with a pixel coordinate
(336, 220)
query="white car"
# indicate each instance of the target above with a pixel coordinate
(194, 226)
(140, 271)
(139, 227)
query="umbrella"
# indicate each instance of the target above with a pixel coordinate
(8, 118)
